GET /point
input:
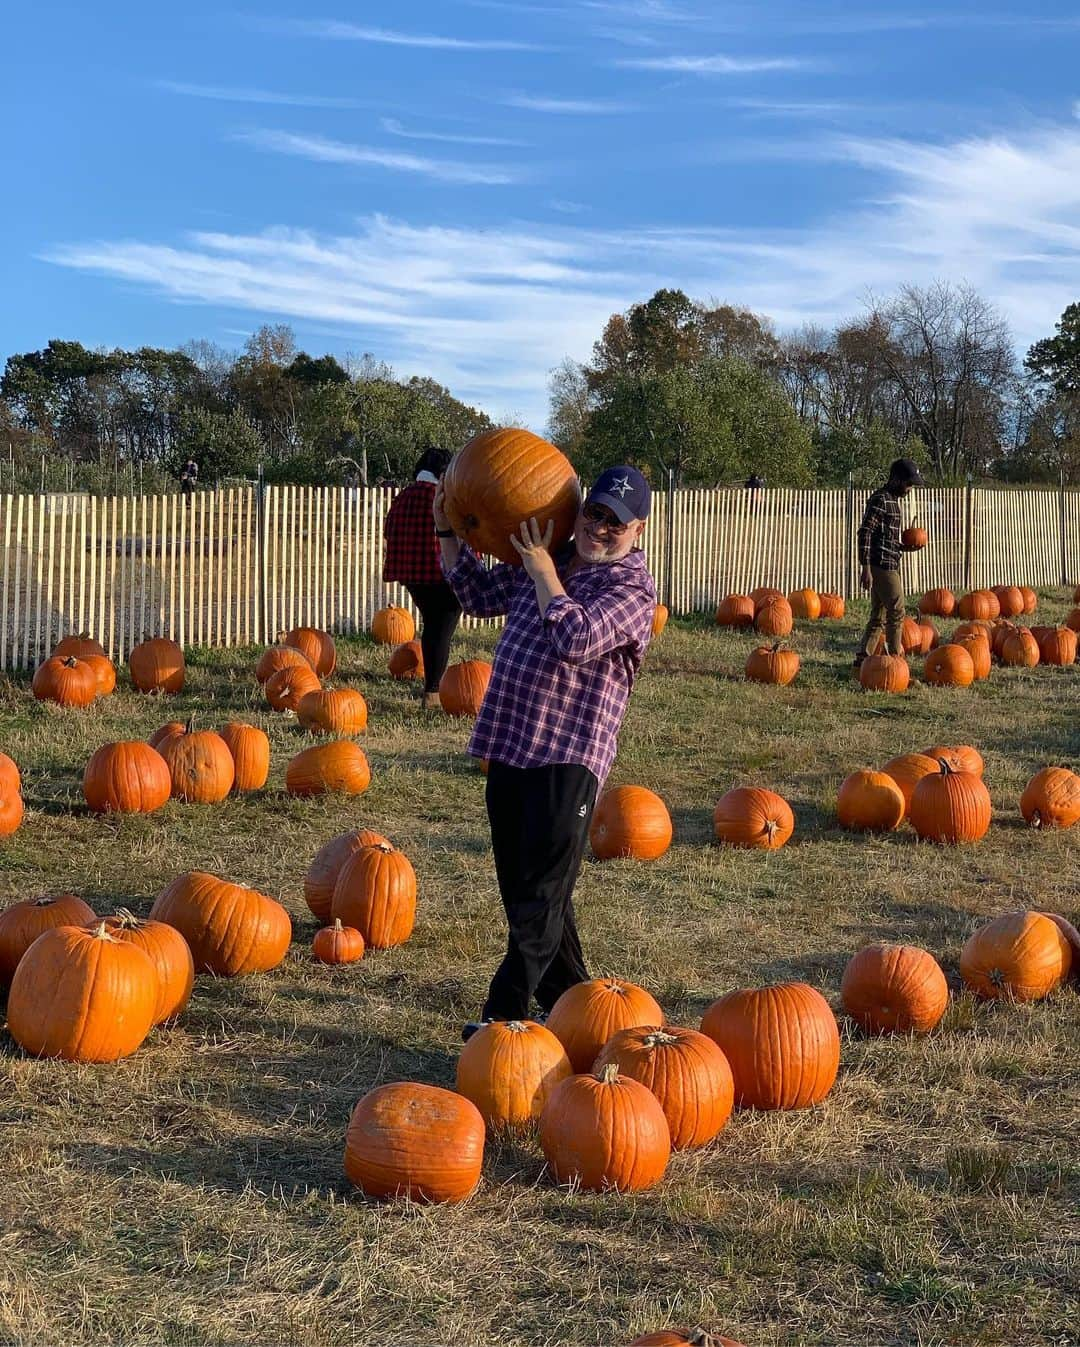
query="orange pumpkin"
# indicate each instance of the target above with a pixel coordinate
(908, 770)
(407, 661)
(1057, 646)
(911, 636)
(894, 989)
(10, 777)
(1010, 600)
(170, 730)
(781, 1042)
(938, 603)
(773, 618)
(462, 687)
(22, 923)
(884, 673)
(12, 811)
(250, 750)
(418, 1141)
(157, 665)
(914, 538)
(979, 603)
(805, 603)
(1073, 620)
(1031, 599)
(764, 593)
(1024, 955)
(949, 666)
(104, 673)
(128, 777)
(690, 1337)
(659, 619)
(974, 628)
(322, 874)
(686, 1071)
(832, 605)
(630, 821)
(102, 994)
(503, 477)
(376, 893)
(338, 944)
(772, 664)
(1051, 799)
(341, 711)
(339, 767)
(950, 806)
(509, 1069)
(285, 688)
(278, 657)
(736, 610)
(750, 817)
(80, 646)
(1020, 649)
(200, 765)
(66, 680)
(169, 953)
(605, 1131)
(960, 757)
(978, 647)
(316, 646)
(392, 626)
(871, 802)
(587, 1014)
(231, 929)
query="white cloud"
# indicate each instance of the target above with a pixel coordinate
(395, 128)
(226, 94)
(337, 152)
(573, 106)
(490, 311)
(713, 65)
(350, 32)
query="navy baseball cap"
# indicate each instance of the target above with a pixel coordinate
(624, 491)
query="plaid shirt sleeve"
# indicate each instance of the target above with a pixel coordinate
(482, 592)
(873, 521)
(580, 634)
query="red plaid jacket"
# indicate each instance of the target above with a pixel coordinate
(412, 550)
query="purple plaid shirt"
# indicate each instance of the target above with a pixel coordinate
(559, 683)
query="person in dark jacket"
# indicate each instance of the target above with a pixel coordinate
(879, 558)
(413, 560)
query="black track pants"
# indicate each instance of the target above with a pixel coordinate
(440, 612)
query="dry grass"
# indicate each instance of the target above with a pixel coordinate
(194, 1192)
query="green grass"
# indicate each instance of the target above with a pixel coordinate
(194, 1192)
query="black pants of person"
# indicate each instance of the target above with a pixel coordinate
(440, 613)
(539, 825)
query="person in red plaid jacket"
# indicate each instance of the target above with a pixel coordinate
(413, 560)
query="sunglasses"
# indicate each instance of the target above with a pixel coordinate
(596, 514)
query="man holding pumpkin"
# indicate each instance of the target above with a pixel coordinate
(578, 621)
(880, 544)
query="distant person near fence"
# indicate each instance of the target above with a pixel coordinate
(412, 559)
(879, 559)
(755, 485)
(189, 477)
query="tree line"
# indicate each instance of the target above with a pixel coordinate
(706, 393)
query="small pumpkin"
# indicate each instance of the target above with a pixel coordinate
(736, 610)
(805, 603)
(128, 777)
(949, 666)
(339, 767)
(230, 928)
(340, 711)
(832, 605)
(687, 1072)
(278, 657)
(462, 687)
(200, 765)
(418, 1141)
(1024, 955)
(338, 944)
(376, 893)
(884, 673)
(285, 688)
(407, 661)
(1051, 799)
(914, 538)
(1010, 600)
(605, 1131)
(782, 1044)
(894, 989)
(630, 821)
(316, 646)
(587, 1014)
(772, 664)
(169, 953)
(773, 618)
(748, 816)
(23, 922)
(1020, 650)
(392, 626)
(509, 1069)
(65, 680)
(322, 873)
(870, 802)
(659, 619)
(950, 806)
(250, 750)
(938, 603)
(157, 665)
(101, 997)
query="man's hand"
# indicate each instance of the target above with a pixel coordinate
(438, 507)
(865, 578)
(533, 547)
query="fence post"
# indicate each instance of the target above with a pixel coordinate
(669, 540)
(969, 528)
(260, 557)
(849, 535)
(1063, 516)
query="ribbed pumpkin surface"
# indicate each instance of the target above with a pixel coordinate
(462, 687)
(950, 807)
(322, 873)
(250, 749)
(750, 817)
(894, 989)
(509, 1069)
(586, 1015)
(908, 770)
(333, 711)
(128, 777)
(605, 1134)
(230, 929)
(1021, 954)
(376, 893)
(167, 950)
(630, 821)
(22, 923)
(1051, 799)
(339, 767)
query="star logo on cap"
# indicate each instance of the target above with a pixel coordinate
(620, 485)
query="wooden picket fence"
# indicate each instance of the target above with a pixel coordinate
(237, 566)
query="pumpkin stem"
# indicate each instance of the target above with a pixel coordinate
(946, 770)
(770, 827)
(516, 1027)
(608, 1074)
(70, 662)
(128, 919)
(189, 728)
(337, 924)
(659, 1038)
(101, 932)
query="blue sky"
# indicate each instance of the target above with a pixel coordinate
(468, 189)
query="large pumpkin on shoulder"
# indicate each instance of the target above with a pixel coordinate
(157, 665)
(317, 647)
(230, 928)
(463, 685)
(630, 821)
(392, 626)
(503, 477)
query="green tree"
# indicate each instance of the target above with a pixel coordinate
(223, 444)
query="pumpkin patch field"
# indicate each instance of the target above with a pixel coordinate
(764, 1139)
